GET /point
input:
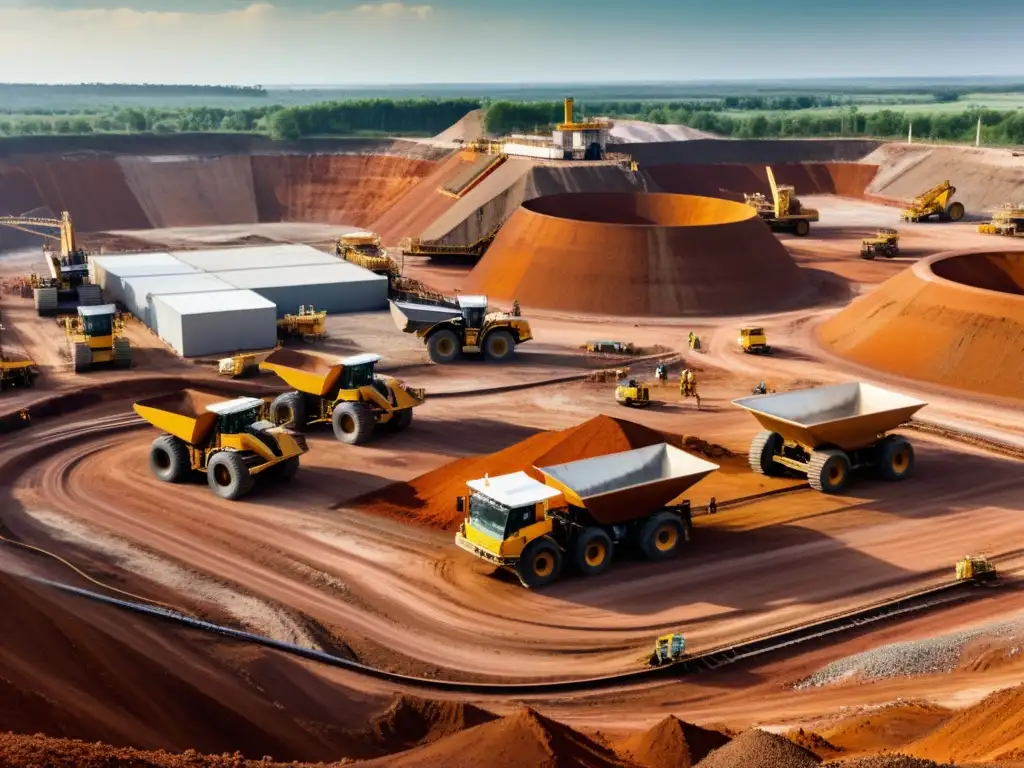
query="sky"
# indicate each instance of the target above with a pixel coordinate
(355, 42)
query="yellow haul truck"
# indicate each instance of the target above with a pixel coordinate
(227, 439)
(937, 201)
(582, 511)
(451, 328)
(827, 432)
(346, 394)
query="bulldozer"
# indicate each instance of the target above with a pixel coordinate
(1008, 221)
(753, 341)
(364, 250)
(228, 440)
(308, 324)
(451, 328)
(668, 649)
(976, 568)
(885, 242)
(785, 212)
(96, 337)
(632, 394)
(346, 394)
(938, 202)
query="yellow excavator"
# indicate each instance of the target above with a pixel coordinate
(785, 212)
(938, 202)
(68, 286)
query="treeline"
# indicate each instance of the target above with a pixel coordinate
(111, 90)
(339, 118)
(138, 120)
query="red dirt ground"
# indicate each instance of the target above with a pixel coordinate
(991, 730)
(733, 181)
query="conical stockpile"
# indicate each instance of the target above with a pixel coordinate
(639, 254)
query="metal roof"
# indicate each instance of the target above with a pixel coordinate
(132, 264)
(254, 257)
(515, 490)
(205, 302)
(313, 274)
(366, 357)
(102, 309)
(159, 285)
(473, 302)
(234, 406)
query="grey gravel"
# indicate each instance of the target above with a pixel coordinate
(759, 749)
(932, 655)
(887, 761)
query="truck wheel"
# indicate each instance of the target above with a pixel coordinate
(955, 212)
(499, 346)
(661, 536)
(285, 470)
(593, 551)
(400, 420)
(289, 410)
(353, 423)
(168, 458)
(829, 470)
(895, 458)
(540, 564)
(869, 255)
(443, 346)
(763, 447)
(228, 476)
(802, 228)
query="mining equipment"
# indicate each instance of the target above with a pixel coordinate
(452, 327)
(68, 286)
(96, 337)
(976, 568)
(1007, 221)
(583, 510)
(611, 347)
(937, 201)
(632, 394)
(688, 385)
(827, 432)
(885, 242)
(228, 440)
(14, 373)
(784, 213)
(364, 250)
(347, 394)
(242, 364)
(661, 374)
(693, 341)
(307, 324)
(761, 389)
(667, 650)
(753, 341)
(413, 246)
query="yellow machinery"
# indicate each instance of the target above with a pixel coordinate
(1007, 221)
(451, 328)
(229, 440)
(307, 323)
(96, 337)
(242, 364)
(688, 385)
(611, 347)
(68, 285)
(633, 394)
(693, 342)
(413, 246)
(364, 249)
(15, 373)
(584, 510)
(976, 568)
(668, 649)
(346, 394)
(784, 213)
(937, 201)
(885, 242)
(753, 341)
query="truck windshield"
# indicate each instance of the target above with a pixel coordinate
(497, 520)
(235, 423)
(355, 376)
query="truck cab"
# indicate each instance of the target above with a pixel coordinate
(754, 340)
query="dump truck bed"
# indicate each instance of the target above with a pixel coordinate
(846, 416)
(185, 414)
(630, 485)
(305, 372)
(411, 317)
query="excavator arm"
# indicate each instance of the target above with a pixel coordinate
(61, 230)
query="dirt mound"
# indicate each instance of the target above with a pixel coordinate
(630, 131)
(411, 721)
(887, 728)
(468, 128)
(923, 326)
(733, 181)
(421, 205)
(671, 743)
(759, 749)
(814, 742)
(639, 254)
(992, 729)
(523, 740)
(887, 761)
(430, 498)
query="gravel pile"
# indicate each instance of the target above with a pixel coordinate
(916, 657)
(759, 749)
(887, 761)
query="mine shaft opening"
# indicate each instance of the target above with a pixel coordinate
(1002, 272)
(647, 209)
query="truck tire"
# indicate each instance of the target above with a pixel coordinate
(955, 211)
(895, 458)
(763, 447)
(592, 553)
(868, 255)
(444, 346)
(499, 346)
(802, 228)
(540, 564)
(829, 470)
(228, 476)
(400, 420)
(285, 470)
(289, 410)
(353, 423)
(661, 536)
(168, 459)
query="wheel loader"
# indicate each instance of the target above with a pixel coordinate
(632, 394)
(937, 202)
(228, 440)
(347, 394)
(451, 328)
(95, 337)
(885, 242)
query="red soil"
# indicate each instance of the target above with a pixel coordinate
(923, 326)
(639, 254)
(671, 743)
(991, 730)
(411, 721)
(814, 742)
(888, 728)
(733, 181)
(430, 499)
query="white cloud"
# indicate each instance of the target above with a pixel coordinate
(392, 10)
